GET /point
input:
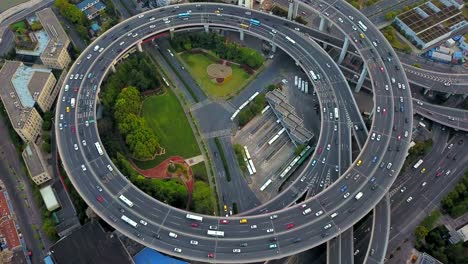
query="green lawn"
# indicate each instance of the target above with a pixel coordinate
(166, 117)
(197, 67)
(17, 25)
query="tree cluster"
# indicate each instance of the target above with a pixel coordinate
(74, 15)
(202, 198)
(216, 43)
(136, 71)
(251, 110)
(239, 151)
(140, 139)
(456, 201)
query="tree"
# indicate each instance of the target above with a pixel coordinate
(421, 232)
(49, 229)
(46, 125)
(202, 198)
(46, 147)
(36, 25)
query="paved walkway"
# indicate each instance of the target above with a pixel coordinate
(195, 160)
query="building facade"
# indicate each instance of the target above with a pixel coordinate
(91, 8)
(56, 54)
(35, 164)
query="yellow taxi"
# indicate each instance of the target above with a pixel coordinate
(243, 221)
(68, 109)
(359, 163)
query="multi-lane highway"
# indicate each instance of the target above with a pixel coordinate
(448, 116)
(268, 236)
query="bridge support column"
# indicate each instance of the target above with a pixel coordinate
(139, 48)
(207, 28)
(241, 35)
(295, 9)
(448, 95)
(113, 68)
(171, 32)
(273, 47)
(361, 79)
(426, 91)
(344, 49)
(290, 9)
(323, 22)
(465, 95)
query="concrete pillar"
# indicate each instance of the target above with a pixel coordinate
(273, 47)
(448, 95)
(113, 68)
(323, 22)
(291, 9)
(295, 9)
(465, 95)
(171, 32)
(241, 35)
(361, 79)
(426, 91)
(207, 28)
(139, 48)
(344, 49)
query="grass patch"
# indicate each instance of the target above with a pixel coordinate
(166, 117)
(390, 34)
(18, 25)
(199, 171)
(223, 158)
(197, 67)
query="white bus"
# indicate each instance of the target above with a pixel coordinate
(72, 103)
(273, 139)
(362, 26)
(247, 154)
(358, 196)
(251, 98)
(312, 74)
(336, 114)
(129, 221)
(194, 217)
(215, 233)
(285, 172)
(418, 164)
(295, 80)
(265, 185)
(307, 88)
(99, 149)
(290, 40)
(299, 83)
(303, 86)
(126, 201)
(235, 114)
(252, 167)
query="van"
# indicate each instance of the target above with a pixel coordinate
(96, 48)
(358, 196)
(173, 235)
(67, 87)
(243, 221)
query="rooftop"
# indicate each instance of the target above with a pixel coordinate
(58, 37)
(49, 198)
(42, 39)
(32, 160)
(151, 256)
(7, 225)
(90, 244)
(11, 97)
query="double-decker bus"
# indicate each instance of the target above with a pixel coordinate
(254, 22)
(129, 221)
(194, 217)
(99, 149)
(126, 201)
(215, 233)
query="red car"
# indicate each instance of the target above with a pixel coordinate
(319, 150)
(99, 198)
(211, 255)
(224, 221)
(194, 225)
(382, 69)
(73, 129)
(76, 88)
(439, 173)
(289, 226)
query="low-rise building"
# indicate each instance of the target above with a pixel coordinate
(49, 198)
(19, 94)
(55, 55)
(35, 164)
(431, 22)
(91, 8)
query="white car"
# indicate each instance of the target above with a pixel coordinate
(378, 109)
(270, 230)
(319, 213)
(401, 99)
(354, 27)
(83, 167)
(351, 17)
(340, 19)
(253, 227)
(386, 87)
(373, 136)
(140, 16)
(61, 116)
(374, 43)
(393, 80)
(409, 199)
(76, 76)
(109, 167)
(86, 123)
(273, 217)
(423, 184)
(193, 242)
(71, 76)
(379, 137)
(75, 146)
(143, 222)
(346, 195)
(101, 49)
(152, 26)
(84, 142)
(328, 147)
(327, 226)
(89, 56)
(335, 128)
(177, 250)
(99, 188)
(236, 250)
(121, 43)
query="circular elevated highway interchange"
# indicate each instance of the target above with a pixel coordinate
(88, 169)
